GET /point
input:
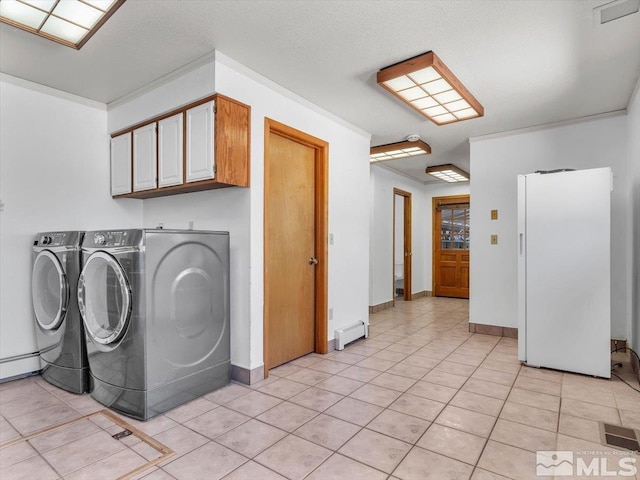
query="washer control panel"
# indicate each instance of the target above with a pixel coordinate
(52, 239)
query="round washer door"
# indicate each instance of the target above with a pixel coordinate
(49, 290)
(104, 298)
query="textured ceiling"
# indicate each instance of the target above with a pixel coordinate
(528, 62)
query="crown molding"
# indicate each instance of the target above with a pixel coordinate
(54, 92)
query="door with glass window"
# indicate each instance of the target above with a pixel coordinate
(451, 246)
(104, 299)
(50, 291)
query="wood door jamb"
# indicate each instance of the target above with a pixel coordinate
(321, 148)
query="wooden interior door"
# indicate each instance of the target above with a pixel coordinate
(295, 255)
(451, 228)
(405, 197)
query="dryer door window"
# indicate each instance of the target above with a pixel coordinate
(50, 291)
(104, 298)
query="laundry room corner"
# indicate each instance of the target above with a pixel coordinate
(54, 175)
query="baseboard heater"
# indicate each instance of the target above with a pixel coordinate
(350, 333)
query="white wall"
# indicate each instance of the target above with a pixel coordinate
(495, 163)
(633, 175)
(432, 190)
(173, 91)
(383, 181)
(54, 175)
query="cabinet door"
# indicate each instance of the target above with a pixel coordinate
(199, 139)
(144, 158)
(121, 164)
(170, 151)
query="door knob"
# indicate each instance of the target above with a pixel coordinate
(313, 261)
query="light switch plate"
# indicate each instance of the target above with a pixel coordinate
(494, 239)
(494, 214)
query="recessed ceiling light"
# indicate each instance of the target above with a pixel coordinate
(394, 151)
(448, 173)
(427, 85)
(69, 22)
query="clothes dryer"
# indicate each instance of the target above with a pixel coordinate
(155, 305)
(59, 330)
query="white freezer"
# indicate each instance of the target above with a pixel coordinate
(564, 319)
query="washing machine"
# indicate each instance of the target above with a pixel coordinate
(155, 305)
(59, 330)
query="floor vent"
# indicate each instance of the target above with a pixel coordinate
(621, 437)
(122, 434)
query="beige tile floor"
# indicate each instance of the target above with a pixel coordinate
(421, 398)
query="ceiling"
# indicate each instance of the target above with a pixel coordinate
(528, 62)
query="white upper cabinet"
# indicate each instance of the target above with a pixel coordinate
(121, 164)
(170, 151)
(144, 158)
(200, 143)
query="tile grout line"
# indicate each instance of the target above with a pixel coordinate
(453, 396)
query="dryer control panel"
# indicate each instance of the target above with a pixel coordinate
(112, 238)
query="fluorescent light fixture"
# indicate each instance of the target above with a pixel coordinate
(393, 151)
(448, 173)
(428, 86)
(69, 22)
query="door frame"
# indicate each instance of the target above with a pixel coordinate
(408, 252)
(449, 199)
(321, 232)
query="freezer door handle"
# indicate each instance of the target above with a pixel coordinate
(521, 241)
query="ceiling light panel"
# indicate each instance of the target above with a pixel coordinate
(428, 86)
(448, 173)
(21, 13)
(59, 28)
(69, 22)
(77, 12)
(45, 5)
(394, 151)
